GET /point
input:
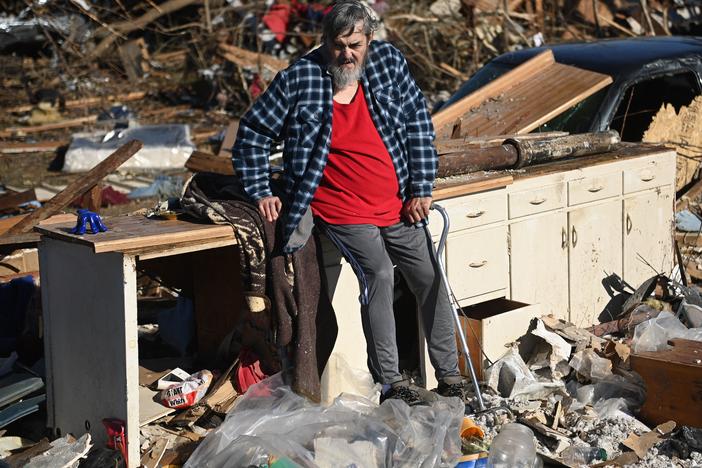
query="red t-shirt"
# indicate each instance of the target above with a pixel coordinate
(359, 184)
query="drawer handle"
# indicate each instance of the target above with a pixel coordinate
(595, 189)
(478, 264)
(574, 237)
(564, 238)
(475, 214)
(629, 224)
(648, 177)
(537, 201)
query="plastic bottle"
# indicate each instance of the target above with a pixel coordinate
(513, 447)
(583, 455)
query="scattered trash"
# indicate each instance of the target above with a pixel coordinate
(188, 392)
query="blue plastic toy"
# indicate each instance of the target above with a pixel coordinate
(87, 216)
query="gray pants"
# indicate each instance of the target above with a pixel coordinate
(410, 249)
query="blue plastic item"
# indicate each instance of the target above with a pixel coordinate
(93, 219)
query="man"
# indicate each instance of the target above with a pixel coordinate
(359, 156)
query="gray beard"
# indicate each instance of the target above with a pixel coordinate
(343, 77)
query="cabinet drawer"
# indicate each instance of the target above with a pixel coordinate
(649, 175)
(472, 211)
(594, 188)
(477, 261)
(536, 200)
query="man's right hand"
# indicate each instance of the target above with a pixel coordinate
(270, 207)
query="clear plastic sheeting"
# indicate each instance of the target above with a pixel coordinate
(512, 378)
(629, 395)
(591, 366)
(653, 334)
(165, 147)
(271, 424)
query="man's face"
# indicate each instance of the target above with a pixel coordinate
(347, 54)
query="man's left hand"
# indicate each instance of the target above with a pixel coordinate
(416, 209)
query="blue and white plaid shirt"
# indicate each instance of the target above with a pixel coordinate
(297, 109)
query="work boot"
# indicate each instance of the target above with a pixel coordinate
(402, 391)
(452, 387)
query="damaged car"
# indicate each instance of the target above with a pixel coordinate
(647, 72)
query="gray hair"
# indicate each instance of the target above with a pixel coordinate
(343, 18)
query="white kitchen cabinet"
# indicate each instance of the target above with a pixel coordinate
(646, 252)
(595, 252)
(538, 256)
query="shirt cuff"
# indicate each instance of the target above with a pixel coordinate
(421, 189)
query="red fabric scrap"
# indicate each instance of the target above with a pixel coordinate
(248, 372)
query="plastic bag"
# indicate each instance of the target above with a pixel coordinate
(165, 146)
(339, 376)
(187, 392)
(614, 386)
(653, 334)
(590, 365)
(270, 422)
(511, 378)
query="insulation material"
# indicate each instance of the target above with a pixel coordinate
(165, 147)
(682, 131)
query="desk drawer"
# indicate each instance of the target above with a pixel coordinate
(477, 261)
(536, 200)
(474, 210)
(649, 175)
(594, 188)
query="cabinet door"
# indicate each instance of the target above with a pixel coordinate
(595, 252)
(648, 241)
(538, 262)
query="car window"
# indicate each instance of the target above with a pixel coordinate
(642, 100)
(578, 118)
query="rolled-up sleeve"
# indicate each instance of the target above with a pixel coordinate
(262, 124)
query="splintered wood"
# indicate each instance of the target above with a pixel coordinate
(682, 131)
(517, 102)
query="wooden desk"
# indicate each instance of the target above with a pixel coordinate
(89, 300)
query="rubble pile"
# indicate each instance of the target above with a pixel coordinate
(590, 392)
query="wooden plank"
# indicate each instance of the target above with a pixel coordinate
(470, 184)
(14, 199)
(525, 107)
(225, 151)
(7, 223)
(78, 187)
(134, 233)
(247, 58)
(204, 162)
(181, 247)
(446, 117)
(87, 102)
(10, 131)
(9, 147)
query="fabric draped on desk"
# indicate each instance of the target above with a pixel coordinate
(281, 307)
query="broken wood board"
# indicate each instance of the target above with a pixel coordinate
(673, 383)
(14, 199)
(205, 162)
(247, 59)
(469, 183)
(139, 232)
(225, 151)
(520, 100)
(643, 443)
(682, 131)
(149, 409)
(78, 187)
(87, 102)
(8, 147)
(80, 121)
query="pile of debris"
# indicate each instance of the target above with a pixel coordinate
(625, 389)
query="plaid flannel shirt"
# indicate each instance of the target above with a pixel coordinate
(297, 109)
